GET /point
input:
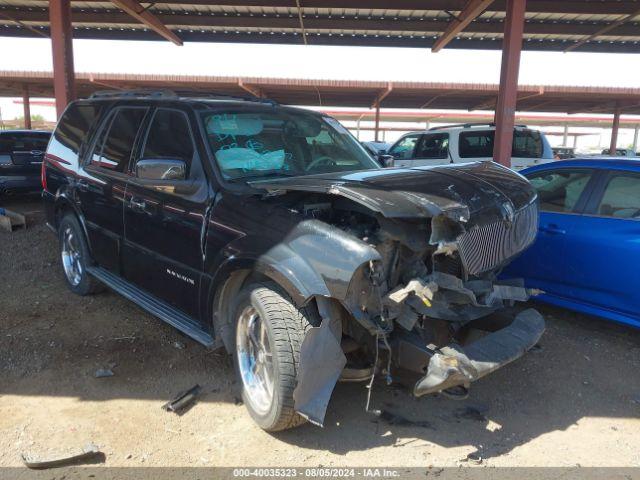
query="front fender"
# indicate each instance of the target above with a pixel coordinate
(316, 259)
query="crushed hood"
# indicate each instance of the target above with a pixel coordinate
(458, 190)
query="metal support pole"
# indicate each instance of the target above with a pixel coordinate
(377, 127)
(508, 93)
(575, 141)
(635, 138)
(62, 50)
(565, 137)
(27, 107)
(358, 129)
(614, 131)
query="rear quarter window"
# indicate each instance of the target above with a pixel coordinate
(527, 144)
(71, 133)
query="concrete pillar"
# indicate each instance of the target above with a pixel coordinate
(62, 50)
(575, 141)
(508, 93)
(565, 136)
(27, 107)
(614, 131)
(635, 138)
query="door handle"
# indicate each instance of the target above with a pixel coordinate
(552, 229)
(137, 204)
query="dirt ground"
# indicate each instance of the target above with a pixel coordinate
(575, 400)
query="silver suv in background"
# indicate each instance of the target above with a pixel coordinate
(466, 143)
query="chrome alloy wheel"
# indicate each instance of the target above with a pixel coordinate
(71, 257)
(255, 360)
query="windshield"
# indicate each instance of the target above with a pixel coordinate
(250, 145)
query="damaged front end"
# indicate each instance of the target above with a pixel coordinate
(424, 306)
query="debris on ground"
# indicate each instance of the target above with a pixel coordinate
(474, 457)
(103, 373)
(89, 452)
(179, 345)
(183, 401)
(10, 220)
(392, 418)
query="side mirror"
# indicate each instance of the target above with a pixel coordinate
(161, 169)
(386, 160)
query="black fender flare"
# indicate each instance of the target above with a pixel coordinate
(63, 200)
(314, 260)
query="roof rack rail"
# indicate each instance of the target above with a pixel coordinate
(469, 125)
(168, 93)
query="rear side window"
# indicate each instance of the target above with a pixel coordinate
(115, 145)
(560, 190)
(71, 132)
(477, 144)
(403, 150)
(621, 198)
(435, 145)
(169, 137)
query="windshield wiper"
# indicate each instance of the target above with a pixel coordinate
(266, 174)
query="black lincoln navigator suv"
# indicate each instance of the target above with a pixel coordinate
(269, 231)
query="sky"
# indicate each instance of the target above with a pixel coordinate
(352, 63)
(320, 62)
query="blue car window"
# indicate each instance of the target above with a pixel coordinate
(560, 190)
(621, 198)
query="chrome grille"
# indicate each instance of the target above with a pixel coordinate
(486, 247)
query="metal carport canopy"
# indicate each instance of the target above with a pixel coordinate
(589, 25)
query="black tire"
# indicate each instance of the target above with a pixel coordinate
(286, 325)
(86, 284)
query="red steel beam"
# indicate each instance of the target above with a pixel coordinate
(255, 91)
(614, 131)
(508, 93)
(147, 18)
(62, 49)
(27, 107)
(603, 30)
(471, 11)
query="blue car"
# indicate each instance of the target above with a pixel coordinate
(587, 253)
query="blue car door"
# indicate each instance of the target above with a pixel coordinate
(562, 195)
(603, 261)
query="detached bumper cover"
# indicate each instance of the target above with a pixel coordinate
(453, 365)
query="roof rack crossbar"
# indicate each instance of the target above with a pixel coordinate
(469, 125)
(168, 93)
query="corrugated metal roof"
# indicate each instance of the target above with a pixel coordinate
(348, 93)
(550, 25)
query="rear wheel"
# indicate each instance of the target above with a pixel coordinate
(74, 255)
(269, 332)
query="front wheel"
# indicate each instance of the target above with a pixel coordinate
(269, 332)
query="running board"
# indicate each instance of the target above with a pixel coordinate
(154, 306)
